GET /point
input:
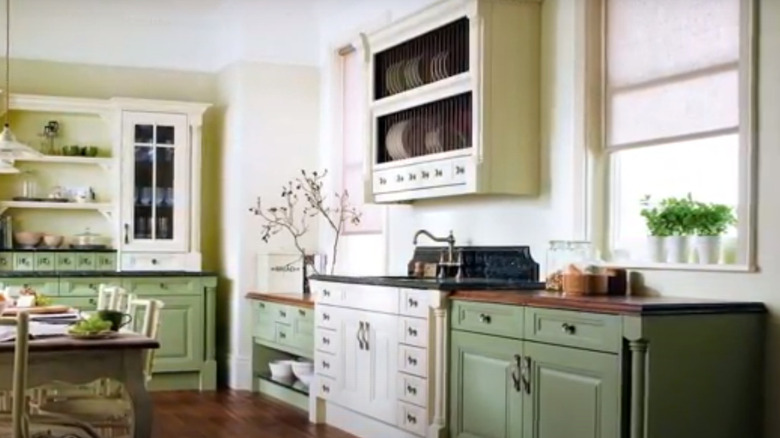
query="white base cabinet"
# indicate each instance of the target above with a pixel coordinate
(380, 354)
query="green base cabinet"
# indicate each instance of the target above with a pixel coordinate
(186, 359)
(546, 373)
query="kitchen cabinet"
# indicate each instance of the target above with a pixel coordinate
(379, 353)
(529, 372)
(186, 357)
(486, 401)
(160, 185)
(454, 101)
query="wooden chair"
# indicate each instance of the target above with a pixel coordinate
(111, 413)
(22, 423)
(112, 297)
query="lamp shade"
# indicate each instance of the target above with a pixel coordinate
(11, 148)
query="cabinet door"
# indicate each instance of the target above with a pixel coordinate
(181, 334)
(574, 393)
(155, 196)
(379, 360)
(351, 375)
(484, 400)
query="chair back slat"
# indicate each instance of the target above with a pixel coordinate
(149, 325)
(19, 387)
(111, 297)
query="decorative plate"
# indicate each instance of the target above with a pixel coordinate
(107, 334)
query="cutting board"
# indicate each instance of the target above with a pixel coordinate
(43, 310)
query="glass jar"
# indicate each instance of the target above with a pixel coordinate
(561, 254)
(28, 187)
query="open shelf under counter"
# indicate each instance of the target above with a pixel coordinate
(292, 384)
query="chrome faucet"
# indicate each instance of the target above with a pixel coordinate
(449, 240)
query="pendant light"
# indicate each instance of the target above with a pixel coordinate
(10, 148)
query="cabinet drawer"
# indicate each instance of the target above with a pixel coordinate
(6, 261)
(84, 287)
(85, 261)
(45, 261)
(325, 317)
(326, 341)
(412, 418)
(325, 365)
(592, 331)
(105, 261)
(414, 302)
(325, 387)
(65, 261)
(412, 389)
(283, 333)
(163, 286)
(487, 318)
(413, 331)
(327, 292)
(413, 360)
(357, 296)
(154, 262)
(24, 261)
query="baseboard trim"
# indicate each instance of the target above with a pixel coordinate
(239, 372)
(359, 425)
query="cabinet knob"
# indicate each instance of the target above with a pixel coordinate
(92, 302)
(412, 332)
(326, 341)
(154, 261)
(325, 293)
(411, 360)
(569, 329)
(282, 335)
(283, 314)
(411, 418)
(411, 389)
(485, 319)
(326, 317)
(262, 305)
(326, 364)
(301, 312)
(413, 302)
(91, 286)
(325, 388)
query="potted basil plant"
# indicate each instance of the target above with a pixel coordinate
(657, 230)
(711, 222)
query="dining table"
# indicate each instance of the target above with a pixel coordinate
(61, 358)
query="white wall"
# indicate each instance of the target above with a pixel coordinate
(270, 132)
(535, 221)
(201, 35)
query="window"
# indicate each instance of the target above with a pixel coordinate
(676, 107)
(353, 141)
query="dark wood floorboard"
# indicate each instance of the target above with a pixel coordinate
(231, 414)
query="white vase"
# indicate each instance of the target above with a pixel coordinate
(676, 249)
(707, 249)
(655, 249)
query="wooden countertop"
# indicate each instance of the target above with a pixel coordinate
(632, 305)
(295, 299)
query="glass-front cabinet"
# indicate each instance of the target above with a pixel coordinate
(156, 157)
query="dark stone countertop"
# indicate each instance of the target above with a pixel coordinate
(75, 274)
(61, 250)
(447, 284)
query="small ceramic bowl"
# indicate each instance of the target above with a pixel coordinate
(302, 369)
(280, 369)
(27, 238)
(52, 240)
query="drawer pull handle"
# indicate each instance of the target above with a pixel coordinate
(382, 181)
(438, 172)
(411, 418)
(569, 329)
(412, 332)
(411, 389)
(412, 177)
(485, 319)
(282, 335)
(326, 341)
(326, 365)
(65, 261)
(459, 170)
(262, 305)
(412, 361)
(399, 178)
(325, 388)
(413, 302)
(426, 174)
(325, 317)
(360, 335)
(92, 302)
(516, 380)
(283, 314)
(301, 312)
(325, 293)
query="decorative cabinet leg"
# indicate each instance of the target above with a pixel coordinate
(638, 360)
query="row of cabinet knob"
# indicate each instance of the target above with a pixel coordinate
(459, 170)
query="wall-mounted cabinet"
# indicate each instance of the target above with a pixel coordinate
(454, 101)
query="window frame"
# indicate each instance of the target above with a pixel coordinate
(595, 195)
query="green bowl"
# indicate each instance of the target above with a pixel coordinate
(71, 151)
(89, 151)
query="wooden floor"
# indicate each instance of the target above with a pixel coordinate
(231, 414)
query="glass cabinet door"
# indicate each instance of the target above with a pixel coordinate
(155, 180)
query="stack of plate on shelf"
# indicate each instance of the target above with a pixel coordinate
(411, 73)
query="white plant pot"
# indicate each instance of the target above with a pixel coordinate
(676, 249)
(707, 249)
(655, 249)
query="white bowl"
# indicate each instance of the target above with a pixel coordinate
(306, 379)
(302, 368)
(280, 369)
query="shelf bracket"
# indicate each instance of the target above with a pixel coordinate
(108, 213)
(3, 209)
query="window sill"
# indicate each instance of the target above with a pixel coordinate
(650, 266)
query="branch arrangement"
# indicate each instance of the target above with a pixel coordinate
(286, 217)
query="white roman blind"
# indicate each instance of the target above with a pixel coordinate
(673, 106)
(353, 136)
